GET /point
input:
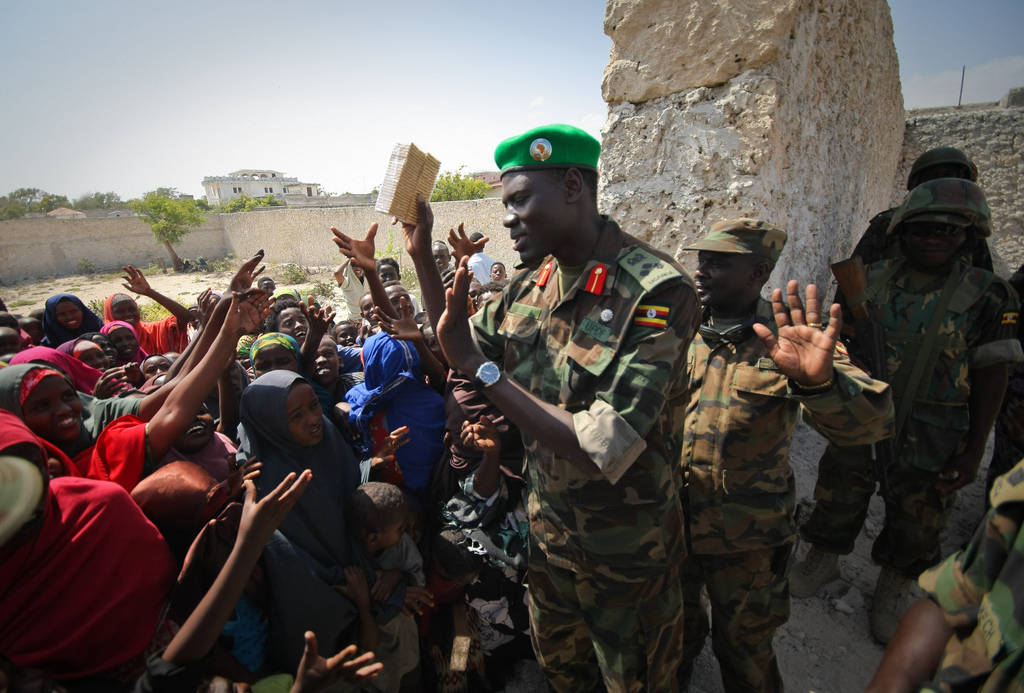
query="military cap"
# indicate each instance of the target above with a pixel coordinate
(746, 236)
(945, 201)
(549, 146)
(941, 156)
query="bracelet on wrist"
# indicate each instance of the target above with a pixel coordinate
(815, 389)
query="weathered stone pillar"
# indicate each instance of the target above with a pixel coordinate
(784, 110)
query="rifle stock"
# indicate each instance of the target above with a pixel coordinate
(853, 282)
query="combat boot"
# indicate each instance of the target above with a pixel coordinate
(816, 570)
(890, 600)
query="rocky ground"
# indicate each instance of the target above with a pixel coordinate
(826, 647)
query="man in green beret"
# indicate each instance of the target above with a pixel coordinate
(579, 351)
(950, 334)
(752, 368)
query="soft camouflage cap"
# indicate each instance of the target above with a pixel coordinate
(549, 146)
(945, 201)
(747, 236)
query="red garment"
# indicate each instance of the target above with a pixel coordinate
(86, 594)
(120, 453)
(84, 377)
(389, 472)
(158, 337)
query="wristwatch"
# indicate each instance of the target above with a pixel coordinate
(487, 374)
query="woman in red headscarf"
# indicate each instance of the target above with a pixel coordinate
(160, 337)
(84, 584)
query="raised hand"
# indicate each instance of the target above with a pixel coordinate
(316, 317)
(206, 302)
(396, 439)
(803, 351)
(110, 383)
(362, 252)
(238, 475)
(247, 311)
(317, 674)
(453, 330)
(403, 327)
(135, 280)
(339, 271)
(247, 273)
(417, 236)
(482, 435)
(260, 519)
(462, 246)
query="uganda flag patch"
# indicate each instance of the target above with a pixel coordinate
(1010, 318)
(651, 316)
(841, 348)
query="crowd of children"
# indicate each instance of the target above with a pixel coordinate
(250, 482)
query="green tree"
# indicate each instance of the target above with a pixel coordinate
(98, 200)
(171, 219)
(456, 185)
(49, 202)
(244, 203)
(11, 208)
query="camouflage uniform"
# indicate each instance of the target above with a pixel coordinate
(979, 590)
(604, 590)
(733, 424)
(976, 331)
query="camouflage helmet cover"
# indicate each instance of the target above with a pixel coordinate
(945, 201)
(744, 236)
(939, 156)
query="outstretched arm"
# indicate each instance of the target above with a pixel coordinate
(362, 254)
(317, 674)
(259, 521)
(407, 330)
(136, 281)
(417, 245)
(181, 406)
(552, 426)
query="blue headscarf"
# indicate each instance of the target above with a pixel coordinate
(311, 548)
(394, 384)
(57, 334)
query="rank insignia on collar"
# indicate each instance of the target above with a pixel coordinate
(595, 282)
(651, 316)
(545, 273)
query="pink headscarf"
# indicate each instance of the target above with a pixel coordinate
(84, 377)
(140, 355)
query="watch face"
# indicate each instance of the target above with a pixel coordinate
(488, 373)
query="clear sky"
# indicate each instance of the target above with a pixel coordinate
(129, 95)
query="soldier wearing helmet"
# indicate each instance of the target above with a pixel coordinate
(950, 336)
(941, 162)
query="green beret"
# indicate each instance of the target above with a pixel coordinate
(746, 236)
(549, 146)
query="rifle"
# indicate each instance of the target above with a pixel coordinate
(853, 282)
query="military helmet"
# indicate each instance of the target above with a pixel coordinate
(945, 201)
(940, 156)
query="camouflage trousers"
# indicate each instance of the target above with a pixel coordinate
(749, 602)
(915, 514)
(586, 628)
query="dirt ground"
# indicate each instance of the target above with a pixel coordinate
(826, 647)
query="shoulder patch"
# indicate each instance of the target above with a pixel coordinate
(1009, 319)
(648, 269)
(1008, 488)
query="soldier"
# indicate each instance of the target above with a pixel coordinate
(965, 634)
(941, 162)
(949, 330)
(748, 375)
(579, 351)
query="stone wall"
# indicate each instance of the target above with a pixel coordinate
(993, 136)
(33, 248)
(788, 111)
(303, 235)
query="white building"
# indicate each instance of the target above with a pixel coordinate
(256, 183)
